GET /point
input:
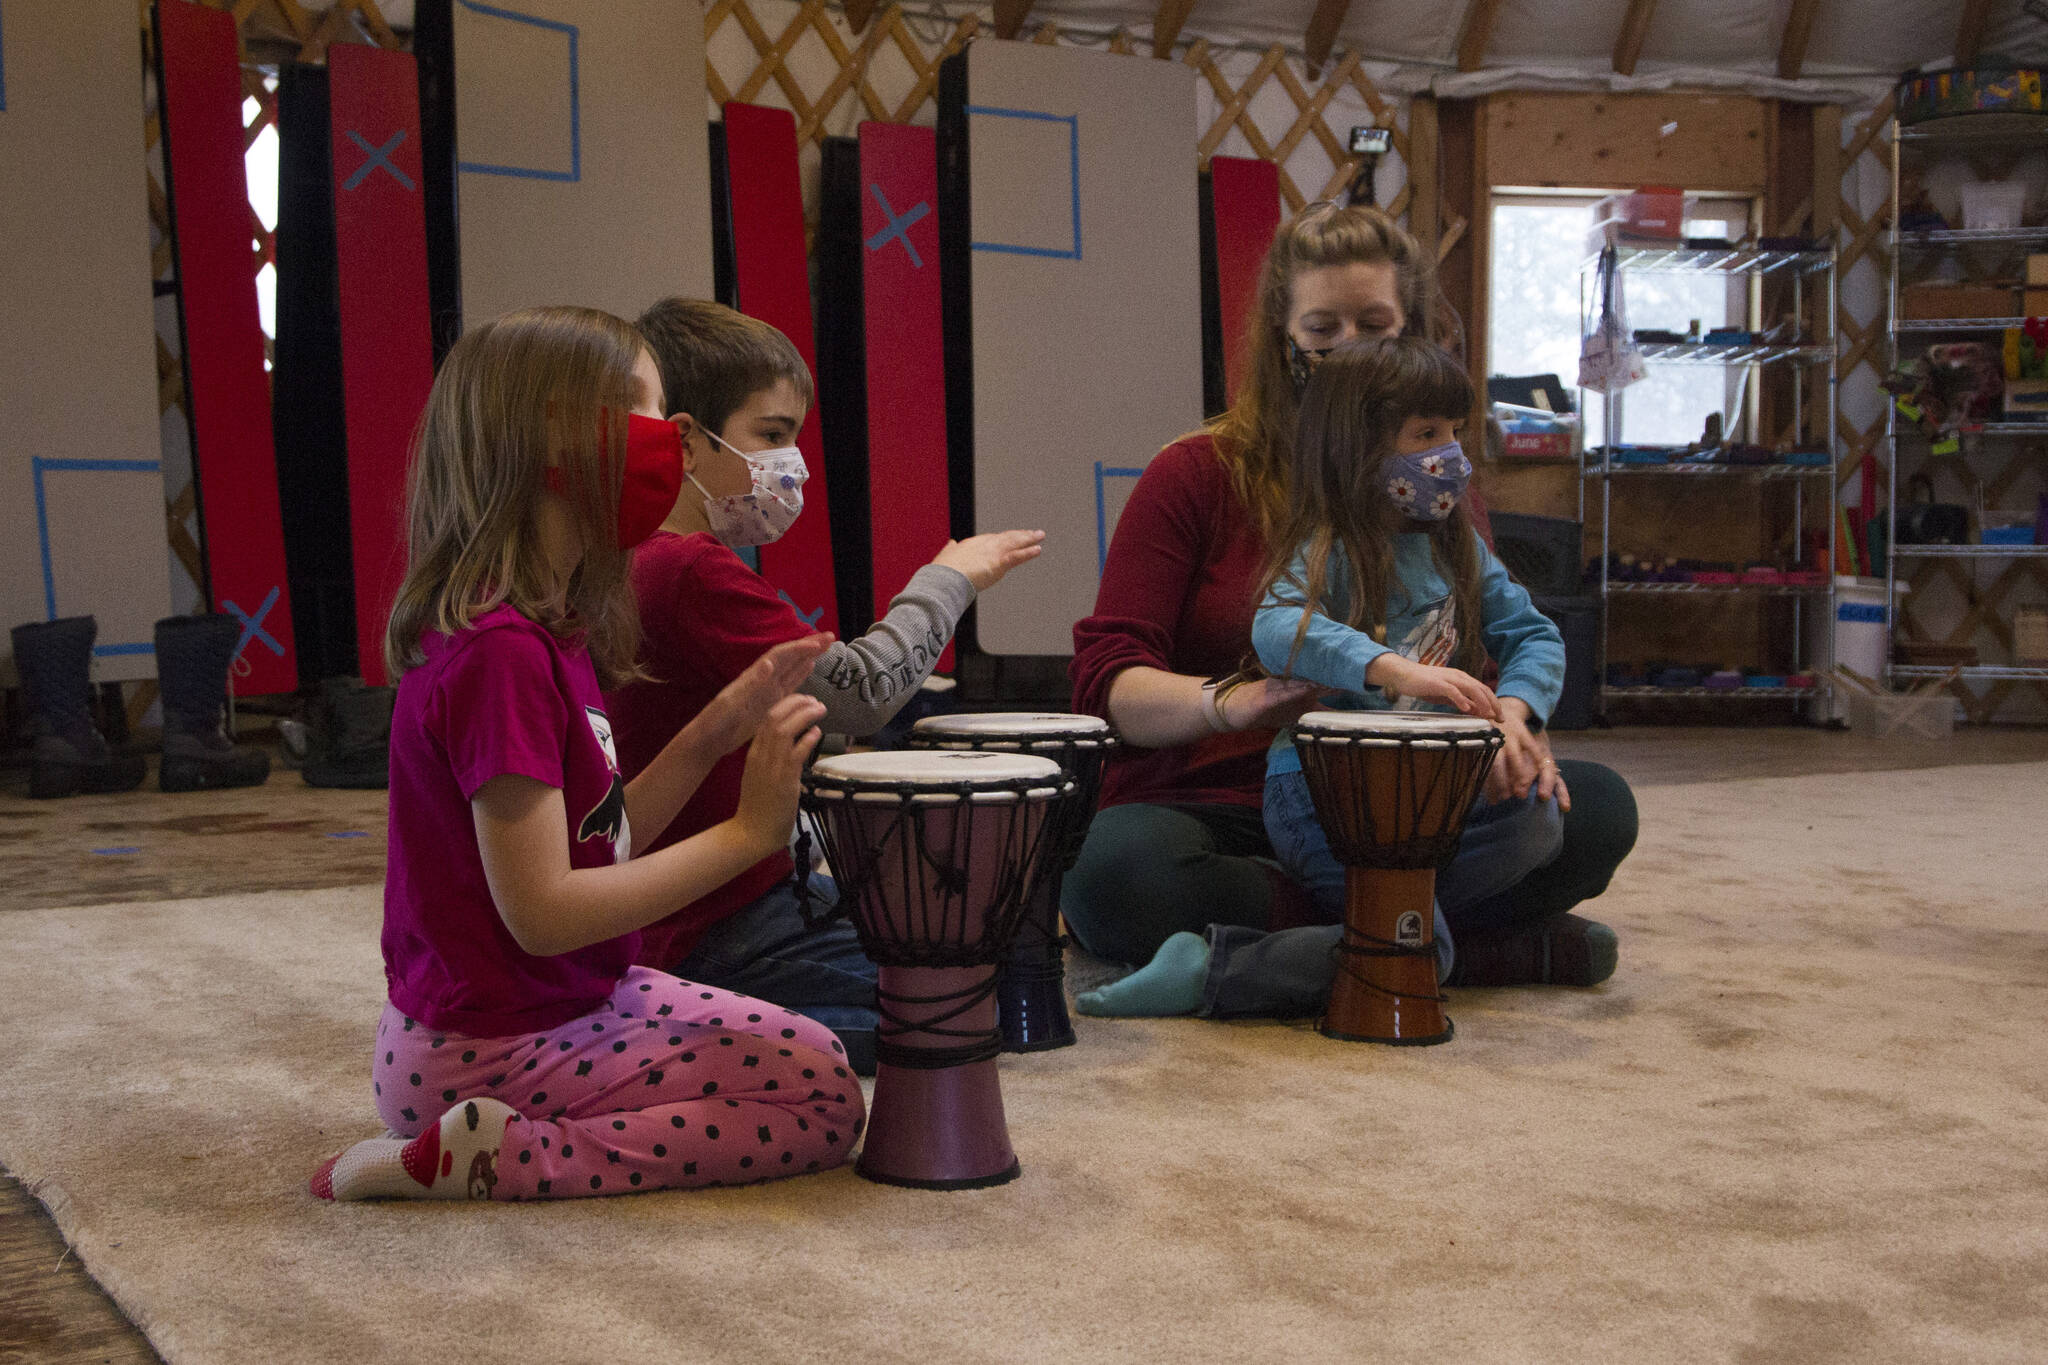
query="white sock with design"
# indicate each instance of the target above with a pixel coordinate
(454, 1159)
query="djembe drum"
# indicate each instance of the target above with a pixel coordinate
(936, 855)
(1031, 995)
(1392, 790)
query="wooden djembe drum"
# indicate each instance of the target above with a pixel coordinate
(1392, 790)
(936, 854)
(1031, 995)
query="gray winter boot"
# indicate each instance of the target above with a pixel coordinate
(192, 658)
(54, 659)
(351, 740)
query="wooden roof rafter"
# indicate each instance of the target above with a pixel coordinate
(1792, 44)
(1322, 33)
(1475, 34)
(1010, 16)
(858, 12)
(1166, 25)
(1970, 31)
(1635, 27)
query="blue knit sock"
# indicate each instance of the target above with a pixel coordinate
(1171, 983)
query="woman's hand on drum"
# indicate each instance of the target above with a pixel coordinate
(1524, 759)
(984, 559)
(775, 762)
(1425, 682)
(729, 720)
(1268, 703)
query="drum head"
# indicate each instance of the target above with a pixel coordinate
(1392, 727)
(1025, 728)
(945, 771)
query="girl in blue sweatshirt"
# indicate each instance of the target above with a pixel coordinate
(1388, 598)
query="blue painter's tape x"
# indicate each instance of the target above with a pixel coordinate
(811, 620)
(375, 157)
(252, 626)
(899, 227)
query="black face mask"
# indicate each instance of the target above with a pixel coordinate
(1302, 363)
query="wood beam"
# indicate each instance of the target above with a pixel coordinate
(1635, 26)
(1792, 44)
(1322, 33)
(1166, 23)
(1010, 17)
(1476, 33)
(1970, 31)
(858, 12)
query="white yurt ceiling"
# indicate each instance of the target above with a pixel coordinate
(1852, 48)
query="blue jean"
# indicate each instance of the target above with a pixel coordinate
(764, 949)
(1289, 972)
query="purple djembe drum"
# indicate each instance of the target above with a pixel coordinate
(1031, 995)
(936, 854)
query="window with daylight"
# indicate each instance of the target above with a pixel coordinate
(1542, 287)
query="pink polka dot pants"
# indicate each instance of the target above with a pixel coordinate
(670, 1084)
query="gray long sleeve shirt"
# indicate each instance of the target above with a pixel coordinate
(865, 682)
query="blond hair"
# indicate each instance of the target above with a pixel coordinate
(535, 387)
(1255, 438)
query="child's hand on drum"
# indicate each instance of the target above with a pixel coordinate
(985, 559)
(1524, 763)
(775, 762)
(731, 717)
(1452, 687)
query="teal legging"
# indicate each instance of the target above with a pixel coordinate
(1150, 871)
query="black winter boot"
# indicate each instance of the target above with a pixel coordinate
(54, 659)
(192, 658)
(351, 741)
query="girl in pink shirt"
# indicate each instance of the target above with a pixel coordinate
(521, 1054)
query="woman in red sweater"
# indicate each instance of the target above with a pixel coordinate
(1179, 843)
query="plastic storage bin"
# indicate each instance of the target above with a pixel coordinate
(1902, 715)
(1857, 637)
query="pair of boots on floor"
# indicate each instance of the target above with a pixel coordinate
(70, 756)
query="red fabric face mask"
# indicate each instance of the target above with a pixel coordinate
(653, 477)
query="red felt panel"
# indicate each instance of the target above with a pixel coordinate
(1246, 195)
(232, 448)
(774, 284)
(387, 354)
(906, 378)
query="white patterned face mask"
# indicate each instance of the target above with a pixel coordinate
(760, 515)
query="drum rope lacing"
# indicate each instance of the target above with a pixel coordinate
(935, 877)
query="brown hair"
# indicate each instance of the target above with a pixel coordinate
(1339, 518)
(712, 359)
(1255, 438)
(534, 387)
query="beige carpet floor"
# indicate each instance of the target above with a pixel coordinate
(1807, 1122)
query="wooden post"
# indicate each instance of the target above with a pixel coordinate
(1424, 222)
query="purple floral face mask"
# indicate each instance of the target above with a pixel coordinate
(1427, 484)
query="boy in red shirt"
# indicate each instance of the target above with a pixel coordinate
(739, 391)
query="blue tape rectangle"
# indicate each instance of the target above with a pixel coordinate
(575, 171)
(1074, 178)
(1104, 473)
(44, 466)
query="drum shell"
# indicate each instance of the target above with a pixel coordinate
(1082, 758)
(1398, 804)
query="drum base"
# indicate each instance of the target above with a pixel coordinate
(1034, 1015)
(978, 1182)
(1450, 1032)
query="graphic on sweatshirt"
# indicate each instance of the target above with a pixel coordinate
(607, 819)
(1432, 640)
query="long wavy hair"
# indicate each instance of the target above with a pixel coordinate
(534, 387)
(1339, 519)
(1255, 438)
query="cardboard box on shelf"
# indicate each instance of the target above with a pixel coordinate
(2036, 302)
(2025, 398)
(2037, 268)
(1929, 302)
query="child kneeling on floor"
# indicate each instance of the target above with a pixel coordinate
(1384, 594)
(739, 392)
(522, 1054)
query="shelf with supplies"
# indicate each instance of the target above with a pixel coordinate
(1801, 281)
(1969, 419)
